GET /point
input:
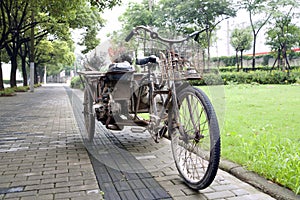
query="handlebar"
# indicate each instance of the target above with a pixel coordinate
(155, 35)
(129, 36)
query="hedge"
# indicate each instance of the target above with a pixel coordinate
(247, 69)
(7, 92)
(261, 77)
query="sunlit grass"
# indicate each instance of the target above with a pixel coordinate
(262, 131)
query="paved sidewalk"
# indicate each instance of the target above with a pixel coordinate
(44, 155)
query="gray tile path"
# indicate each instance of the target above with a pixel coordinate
(44, 155)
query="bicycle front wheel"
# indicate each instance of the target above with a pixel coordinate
(89, 118)
(195, 138)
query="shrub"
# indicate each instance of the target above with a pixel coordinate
(76, 83)
(7, 92)
(37, 85)
(21, 89)
(6, 82)
(261, 77)
(208, 79)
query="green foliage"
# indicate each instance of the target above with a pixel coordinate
(6, 81)
(90, 19)
(263, 9)
(175, 16)
(53, 20)
(21, 88)
(102, 4)
(138, 14)
(209, 79)
(76, 83)
(283, 36)
(56, 55)
(259, 77)
(202, 13)
(12, 91)
(7, 92)
(241, 39)
(37, 85)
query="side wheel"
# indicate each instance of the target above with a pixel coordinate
(195, 138)
(89, 118)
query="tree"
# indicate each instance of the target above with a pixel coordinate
(55, 54)
(13, 17)
(103, 4)
(200, 14)
(138, 14)
(88, 19)
(172, 16)
(3, 58)
(284, 35)
(264, 10)
(241, 40)
(50, 21)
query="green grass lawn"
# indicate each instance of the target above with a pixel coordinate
(261, 131)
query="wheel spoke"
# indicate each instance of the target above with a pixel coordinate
(191, 143)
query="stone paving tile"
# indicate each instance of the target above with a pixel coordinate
(41, 149)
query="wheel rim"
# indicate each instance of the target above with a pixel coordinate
(191, 143)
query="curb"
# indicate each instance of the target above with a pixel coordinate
(257, 181)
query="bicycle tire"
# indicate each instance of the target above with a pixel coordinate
(89, 118)
(196, 152)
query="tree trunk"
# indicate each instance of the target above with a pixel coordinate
(23, 52)
(13, 72)
(283, 58)
(278, 59)
(13, 53)
(1, 74)
(254, 51)
(203, 56)
(24, 72)
(208, 34)
(241, 59)
(36, 81)
(274, 63)
(237, 60)
(1, 77)
(280, 62)
(287, 64)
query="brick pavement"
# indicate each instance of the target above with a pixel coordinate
(44, 155)
(157, 159)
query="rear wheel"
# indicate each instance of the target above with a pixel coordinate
(89, 118)
(195, 138)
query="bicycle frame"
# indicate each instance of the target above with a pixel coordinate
(191, 122)
(169, 71)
